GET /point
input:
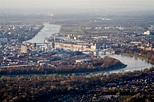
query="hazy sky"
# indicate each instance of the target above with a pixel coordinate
(80, 4)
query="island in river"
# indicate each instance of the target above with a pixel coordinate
(78, 66)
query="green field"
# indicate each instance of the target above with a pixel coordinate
(71, 29)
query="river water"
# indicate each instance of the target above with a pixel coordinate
(132, 63)
(46, 32)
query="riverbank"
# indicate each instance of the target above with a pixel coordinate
(139, 56)
(132, 63)
(83, 72)
(96, 65)
(47, 31)
(34, 34)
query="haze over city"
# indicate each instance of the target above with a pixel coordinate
(58, 6)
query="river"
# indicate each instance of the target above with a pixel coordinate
(132, 63)
(46, 32)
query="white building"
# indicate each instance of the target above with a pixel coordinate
(147, 32)
(94, 47)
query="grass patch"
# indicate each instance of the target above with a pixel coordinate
(125, 96)
(69, 29)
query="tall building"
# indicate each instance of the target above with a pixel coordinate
(23, 49)
(53, 45)
(49, 46)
